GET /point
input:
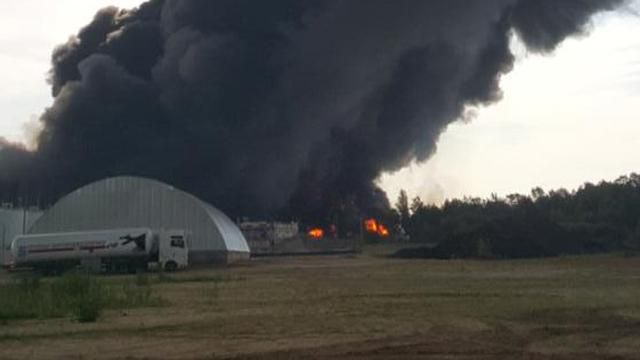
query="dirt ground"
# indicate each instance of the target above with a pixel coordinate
(364, 307)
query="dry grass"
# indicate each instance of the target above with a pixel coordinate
(365, 307)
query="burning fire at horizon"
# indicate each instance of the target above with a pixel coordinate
(373, 226)
(316, 233)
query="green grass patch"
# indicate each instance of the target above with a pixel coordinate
(79, 295)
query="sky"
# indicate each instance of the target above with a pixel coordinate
(29, 31)
(566, 118)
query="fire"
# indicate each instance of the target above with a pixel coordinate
(371, 225)
(374, 227)
(316, 233)
(383, 231)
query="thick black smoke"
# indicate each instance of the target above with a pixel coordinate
(259, 106)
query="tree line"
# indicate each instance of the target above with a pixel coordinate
(595, 218)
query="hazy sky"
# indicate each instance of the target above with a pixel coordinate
(29, 31)
(565, 119)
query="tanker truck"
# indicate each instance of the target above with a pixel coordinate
(110, 251)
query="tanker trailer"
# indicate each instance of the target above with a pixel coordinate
(118, 250)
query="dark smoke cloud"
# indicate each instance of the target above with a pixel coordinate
(14, 160)
(15, 166)
(259, 106)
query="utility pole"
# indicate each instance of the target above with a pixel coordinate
(3, 259)
(359, 240)
(4, 234)
(25, 197)
(24, 218)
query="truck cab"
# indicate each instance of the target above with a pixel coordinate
(173, 249)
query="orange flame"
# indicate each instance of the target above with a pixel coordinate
(375, 227)
(382, 230)
(316, 233)
(371, 225)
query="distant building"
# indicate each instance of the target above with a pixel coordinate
(134, 202)
(14, 222)
(263, 236)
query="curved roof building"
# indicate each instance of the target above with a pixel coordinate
(129, 202)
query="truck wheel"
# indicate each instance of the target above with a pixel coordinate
(170, 266)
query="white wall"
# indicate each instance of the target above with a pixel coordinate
(12, 222)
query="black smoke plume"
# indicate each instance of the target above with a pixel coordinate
(265, 106)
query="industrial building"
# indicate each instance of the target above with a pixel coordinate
(14, 222)
(265, 237)
(130, 202)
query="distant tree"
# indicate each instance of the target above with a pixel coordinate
(426, 223)
(402, 206)
(623, 180)
(537, 193)
(600, 217)
(416, 204)
(516, 199)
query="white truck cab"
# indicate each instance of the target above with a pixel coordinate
(173, 249)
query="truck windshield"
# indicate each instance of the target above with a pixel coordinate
(177, 242)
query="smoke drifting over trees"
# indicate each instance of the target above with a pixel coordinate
(259, 106)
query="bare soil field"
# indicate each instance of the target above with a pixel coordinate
(363, 307)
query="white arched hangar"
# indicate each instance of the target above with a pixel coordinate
(130, 202)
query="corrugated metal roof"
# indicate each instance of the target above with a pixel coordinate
(122, 202)
(236, 240)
